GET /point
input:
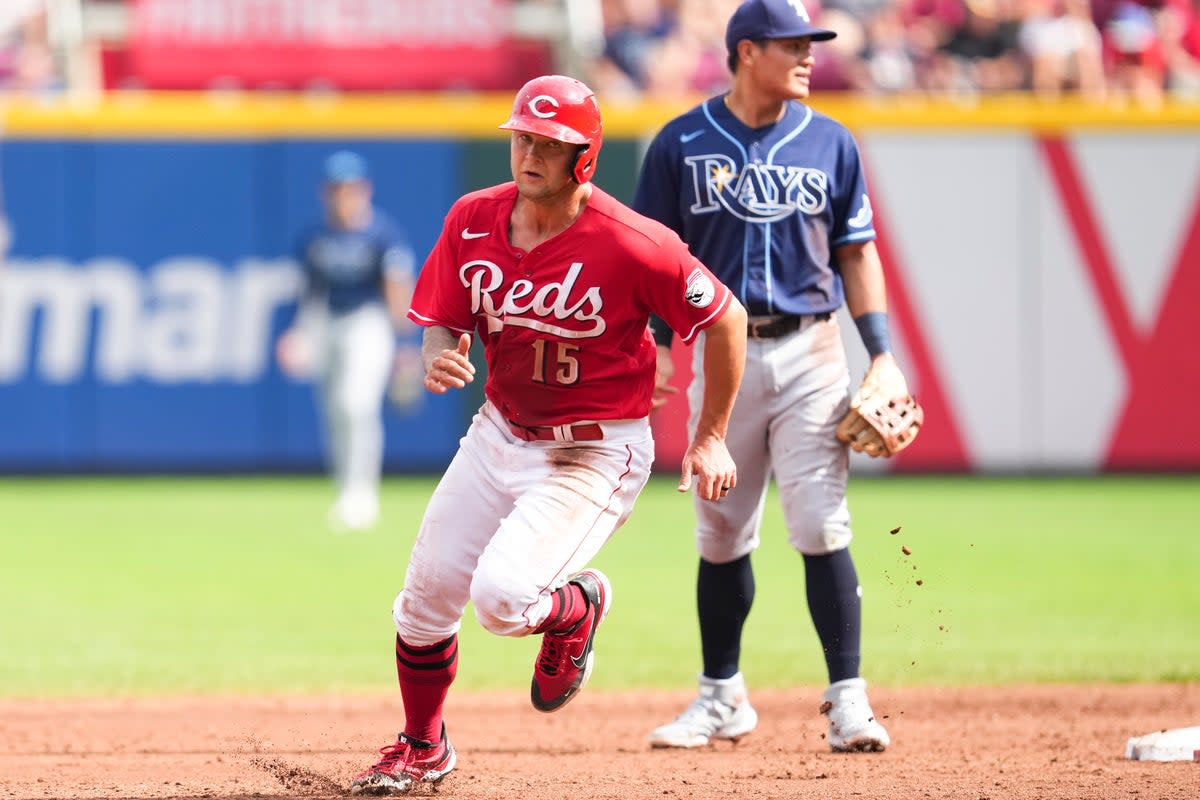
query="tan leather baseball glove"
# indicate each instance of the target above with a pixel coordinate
(883, 418)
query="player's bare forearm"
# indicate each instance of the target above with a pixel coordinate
(724, 362)
(707, 459)
(866, 289)
(862, 274)
(445, 356)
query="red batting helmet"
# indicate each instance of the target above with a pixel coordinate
(561, 108)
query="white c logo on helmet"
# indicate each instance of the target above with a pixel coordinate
(533, 106)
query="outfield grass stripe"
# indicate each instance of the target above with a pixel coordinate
(174, 585)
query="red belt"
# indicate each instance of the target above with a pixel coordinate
(581, 432)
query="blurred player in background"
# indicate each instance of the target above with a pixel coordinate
(359, 273)
(771, 195)
(557, 279)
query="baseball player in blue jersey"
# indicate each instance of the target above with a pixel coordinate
(771, 196)
(359, 273)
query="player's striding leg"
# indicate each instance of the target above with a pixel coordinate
(565, 660)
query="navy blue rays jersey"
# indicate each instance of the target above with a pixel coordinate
(763, 208)
(346, 268)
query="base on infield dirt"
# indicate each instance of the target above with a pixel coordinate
(1180, 744)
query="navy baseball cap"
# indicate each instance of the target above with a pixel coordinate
(345, 167)
(772, 19)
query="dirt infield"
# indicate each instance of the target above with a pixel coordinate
(978, 744)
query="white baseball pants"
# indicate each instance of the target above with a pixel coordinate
(794, 391)
(512, 520)
(355, 365)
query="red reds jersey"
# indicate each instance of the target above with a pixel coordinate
(564, 326)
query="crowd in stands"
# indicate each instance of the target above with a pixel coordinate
(27, 62)
(1120, 51)
(1123, 51)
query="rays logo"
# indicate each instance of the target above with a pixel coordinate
(758, 192)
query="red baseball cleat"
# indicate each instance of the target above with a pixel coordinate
(565, 661)
(405, 763)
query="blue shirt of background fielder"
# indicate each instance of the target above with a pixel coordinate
(347, 268)
(761, 207)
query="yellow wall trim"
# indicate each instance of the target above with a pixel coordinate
(242, 116)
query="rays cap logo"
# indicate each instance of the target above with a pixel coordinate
(700, 290)
(772, 19)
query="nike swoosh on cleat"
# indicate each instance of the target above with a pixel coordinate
(467, 234)
(580, 663)
(684, 138)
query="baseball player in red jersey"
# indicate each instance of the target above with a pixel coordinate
(558, 279)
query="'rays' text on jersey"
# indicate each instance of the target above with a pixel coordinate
(757, 193)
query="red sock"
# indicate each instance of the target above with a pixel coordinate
(568, 607)
(425, 675)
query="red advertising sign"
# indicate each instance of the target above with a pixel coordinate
(340, 44)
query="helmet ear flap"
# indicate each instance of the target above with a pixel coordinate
(583, 164)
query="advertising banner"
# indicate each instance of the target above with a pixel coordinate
(342, 44)
(145, 290)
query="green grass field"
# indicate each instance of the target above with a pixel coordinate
(152, 586)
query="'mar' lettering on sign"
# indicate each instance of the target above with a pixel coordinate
(182, 320)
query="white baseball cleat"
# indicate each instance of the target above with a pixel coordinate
(722, 711)
(852, 724)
